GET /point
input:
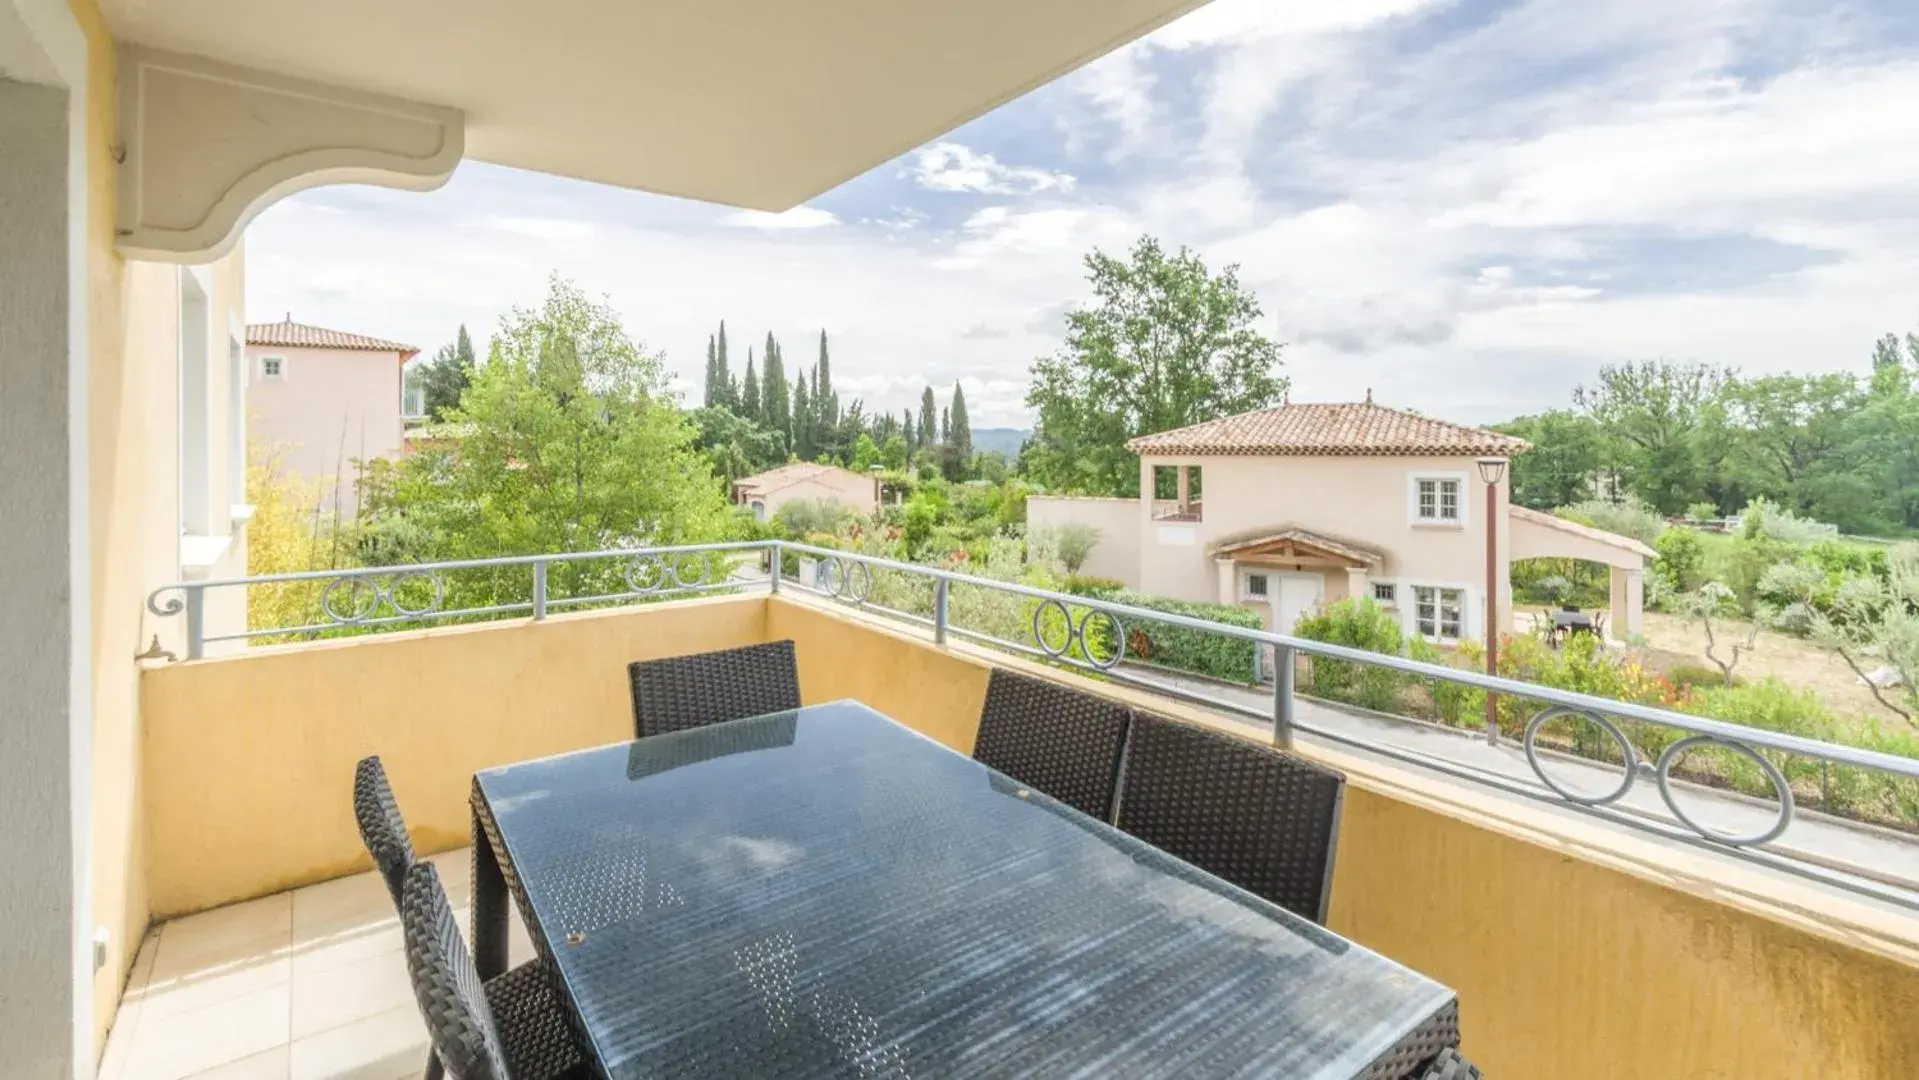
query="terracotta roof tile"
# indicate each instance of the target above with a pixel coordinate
(1329, 429)
(293, 335)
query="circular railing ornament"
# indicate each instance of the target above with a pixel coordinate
(856, 583)
(1086, 639)
(1663, 772)
(1078, 634)
(829, 576)
(678, 569)
(645, 574)
(350, 601)
(435, 601)
(1629, 758)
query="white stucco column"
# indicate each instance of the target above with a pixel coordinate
(1228, 588)
(46, 973)
(1182, 480)
(1628, 602)
(1356, 586)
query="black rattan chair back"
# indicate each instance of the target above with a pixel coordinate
(452, 999)
(1065, 743)
(382, 829)
(1264, 820)
(682, 692)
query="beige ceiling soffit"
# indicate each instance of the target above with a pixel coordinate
(205, 146)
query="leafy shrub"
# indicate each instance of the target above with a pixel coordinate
(1212, 655)
(1682, 559)
(1358, 624)
(1695, 676)
(1088, 585)
(802, 517)
(1763, 517)
(1702, 511)
(1628, 517)
(1076, 541)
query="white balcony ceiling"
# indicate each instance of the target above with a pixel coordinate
(755, 103)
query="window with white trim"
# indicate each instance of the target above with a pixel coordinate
(1437, 500)
(272, 367)
(1439, 613)
(1257, 587)
(1386, 593)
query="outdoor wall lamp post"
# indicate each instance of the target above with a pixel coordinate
(1492, 470)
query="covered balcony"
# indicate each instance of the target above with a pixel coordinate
(1595, 921)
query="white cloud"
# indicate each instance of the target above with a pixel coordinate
(800, 217)
(1441, 213)
(540, 228)
(947, 166)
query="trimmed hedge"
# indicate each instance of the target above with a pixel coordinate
(1211, 655)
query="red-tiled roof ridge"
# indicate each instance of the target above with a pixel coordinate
(288, 334)
(1329, 429)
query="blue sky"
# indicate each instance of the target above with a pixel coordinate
(1465, 206)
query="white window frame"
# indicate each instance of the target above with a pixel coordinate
(1414, 618)
(1438, 479)
(1246, 592)
(1392, 594)
(277, 372)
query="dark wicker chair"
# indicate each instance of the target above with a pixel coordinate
(1065, 743)
(1263, 820)
(682, 692)
(508, 1028)
(382, 829)
(1449, 1065)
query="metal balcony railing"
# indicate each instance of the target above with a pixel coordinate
(1092, 635)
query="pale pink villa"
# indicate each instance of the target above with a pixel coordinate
(1285, 509)
(320, 399)
(764, 493)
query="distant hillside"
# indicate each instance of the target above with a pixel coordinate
(1006, 440)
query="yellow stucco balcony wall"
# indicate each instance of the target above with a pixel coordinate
(1577, 951)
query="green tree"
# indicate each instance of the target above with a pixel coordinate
(775, 395)
(570, 443)
(929, 437)
(801, 442)
(750, 391)
(959, 437)
(893, 454)
(445, 377)
(1559, 469)
(1166, 343)
(866, 454)
(1654, 415)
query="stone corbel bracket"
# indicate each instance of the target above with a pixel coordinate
(208, 145)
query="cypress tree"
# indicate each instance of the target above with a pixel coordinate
(959, 439)
(750, 391)
(929, 435)
(802, 421)
(824, 399)
(775, 395)
(707, 400)
(725, 394)
(946, 428)
(912, 433)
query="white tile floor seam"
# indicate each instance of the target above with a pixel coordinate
(304, 985)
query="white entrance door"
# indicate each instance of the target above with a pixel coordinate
(1298, 594)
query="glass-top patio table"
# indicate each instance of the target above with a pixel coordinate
(828, 893)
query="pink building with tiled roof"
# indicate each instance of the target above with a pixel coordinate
(764, 493)
(1286, 509)
(319, 400)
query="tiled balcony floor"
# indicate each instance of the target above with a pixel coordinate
(303, 985)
